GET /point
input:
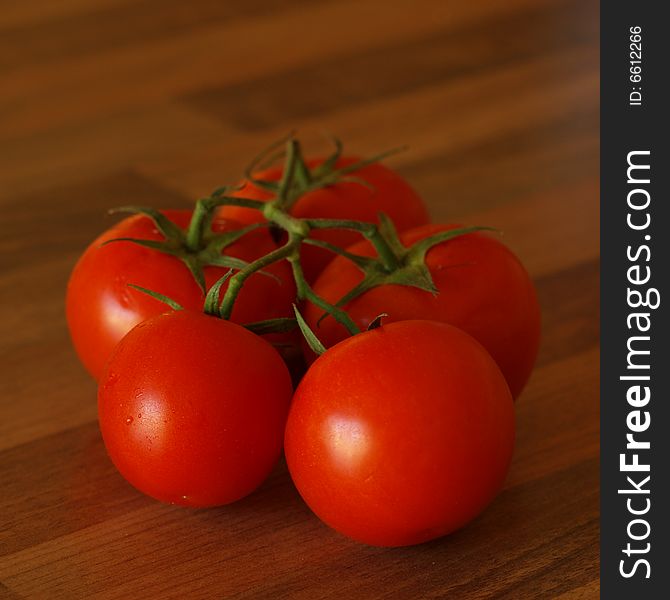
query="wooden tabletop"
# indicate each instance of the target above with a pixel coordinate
(112, 102)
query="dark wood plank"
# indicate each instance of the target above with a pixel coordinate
(508, 166)
(109, 28)
(93, 85)
(284, 97)
(55, 220)
(475, 111)
(571, 322)
(291, 551)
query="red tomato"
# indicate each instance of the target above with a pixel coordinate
(389, 193)
(101, 308)
(484, 290)
(192, 408)
(401, 434)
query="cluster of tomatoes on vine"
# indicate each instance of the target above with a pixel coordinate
(410, 341)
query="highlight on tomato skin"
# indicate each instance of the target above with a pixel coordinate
(386, 191)
(483, 289)
(402, 434)
(192, 409)
(101, 308)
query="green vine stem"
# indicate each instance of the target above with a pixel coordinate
(394, 262)
(237, 281)
(369, 230)
(199, 246)
(305, 292)
(203, 215)
(291, 252)
(211, 307)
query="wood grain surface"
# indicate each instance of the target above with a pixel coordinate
(110, 102)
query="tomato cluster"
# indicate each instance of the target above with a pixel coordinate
(400, 430)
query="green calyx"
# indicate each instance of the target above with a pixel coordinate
(197, 246)
(313, 342)
(298, 178)
(396, 264)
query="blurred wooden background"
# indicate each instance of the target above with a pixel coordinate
(110, 102)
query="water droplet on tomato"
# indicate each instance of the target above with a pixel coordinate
(139, 416)
(129, 420)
